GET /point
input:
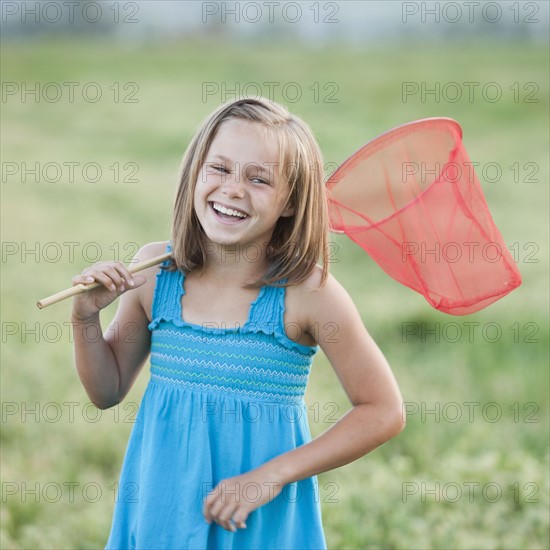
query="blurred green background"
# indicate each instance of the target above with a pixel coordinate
(473, 473)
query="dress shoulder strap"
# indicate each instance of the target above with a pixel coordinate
(267, 315)
(267, 312)
(167, 295)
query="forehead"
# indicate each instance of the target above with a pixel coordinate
(245, 142)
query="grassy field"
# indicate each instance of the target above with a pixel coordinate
(471, 468)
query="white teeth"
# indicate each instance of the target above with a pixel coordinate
(227, 211)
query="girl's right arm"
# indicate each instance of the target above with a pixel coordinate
(108, 364)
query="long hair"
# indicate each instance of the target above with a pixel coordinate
(298, 241)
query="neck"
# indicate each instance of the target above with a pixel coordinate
(235, 264)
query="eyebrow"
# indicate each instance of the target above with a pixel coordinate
(222, 158)
(254, 165)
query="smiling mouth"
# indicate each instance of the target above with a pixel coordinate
(229, 214)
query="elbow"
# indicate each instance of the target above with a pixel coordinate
(386, 422)
(400, 421)
(103, 398)
(395, 422)
(103, 404)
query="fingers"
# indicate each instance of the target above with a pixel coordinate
(106, 281)
(222, 514)
(239, 519)
(229, 518)
(114, 276)
(227, 514)
(228, 505)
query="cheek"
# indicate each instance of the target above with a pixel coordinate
(205, 184)
(196, 195)
(199, 199)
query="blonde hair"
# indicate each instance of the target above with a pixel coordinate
(297, 241)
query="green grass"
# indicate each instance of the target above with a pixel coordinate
(364, 504)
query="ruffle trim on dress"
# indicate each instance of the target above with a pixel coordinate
(269, 304)
(281, 338)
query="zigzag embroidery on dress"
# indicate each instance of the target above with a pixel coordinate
(304, 366)
(260, 383)
(220, 354)
(223, 389)
(224, 340)
(225, 366)
(232, 380)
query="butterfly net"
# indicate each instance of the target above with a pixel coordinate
(412, 201)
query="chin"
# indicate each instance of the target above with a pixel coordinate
(220, 240)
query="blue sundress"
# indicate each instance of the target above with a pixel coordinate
(219, 402)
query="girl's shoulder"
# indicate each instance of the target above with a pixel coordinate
(150, 250)
(311, 302)
(313, 287)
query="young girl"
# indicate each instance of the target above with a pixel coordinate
(221, 455)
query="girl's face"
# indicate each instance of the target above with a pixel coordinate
(240, 194)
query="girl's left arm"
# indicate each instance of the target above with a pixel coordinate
(375, 417)
(377, 412)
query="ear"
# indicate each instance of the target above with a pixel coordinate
(288, 211)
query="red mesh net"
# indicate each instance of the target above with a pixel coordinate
(412, 201)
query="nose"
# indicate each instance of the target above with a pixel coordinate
(233, 186)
